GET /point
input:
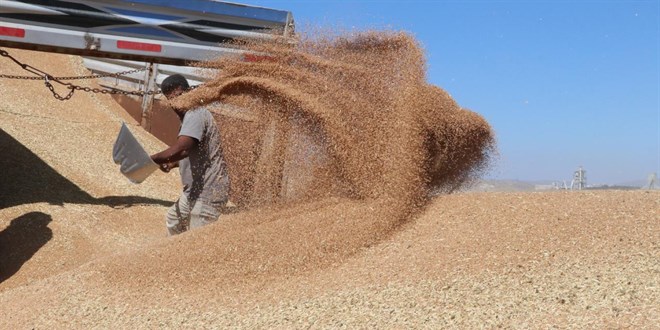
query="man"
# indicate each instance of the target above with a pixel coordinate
(198, 153)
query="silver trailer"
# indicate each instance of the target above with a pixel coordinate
(172, 32)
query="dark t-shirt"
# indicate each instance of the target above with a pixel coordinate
(208, 170)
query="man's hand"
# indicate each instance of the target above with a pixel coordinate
(166, 167)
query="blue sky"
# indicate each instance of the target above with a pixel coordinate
(563, 83)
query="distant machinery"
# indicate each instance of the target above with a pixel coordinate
(653, 182)
(579, 181)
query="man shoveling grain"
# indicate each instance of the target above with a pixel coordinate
(199, 155)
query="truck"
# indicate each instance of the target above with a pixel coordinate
(147, 40)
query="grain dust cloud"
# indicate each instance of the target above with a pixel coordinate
(346, 115)
(332, 144)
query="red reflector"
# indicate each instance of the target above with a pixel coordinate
(138, 46)
(12, 32)
(258, 58)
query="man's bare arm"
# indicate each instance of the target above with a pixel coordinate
(176, 152)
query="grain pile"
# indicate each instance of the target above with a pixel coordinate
(90, 257)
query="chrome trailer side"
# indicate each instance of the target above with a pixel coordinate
(170, 32)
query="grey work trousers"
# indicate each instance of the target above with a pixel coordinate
(186, 214)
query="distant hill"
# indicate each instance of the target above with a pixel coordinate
(518, 185)
(636, 183)
(501, 185)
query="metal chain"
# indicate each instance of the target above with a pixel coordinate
(92, 76)
(55, 94)
(72, 88)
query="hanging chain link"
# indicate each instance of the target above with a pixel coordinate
(92, 76)
(47, 78)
